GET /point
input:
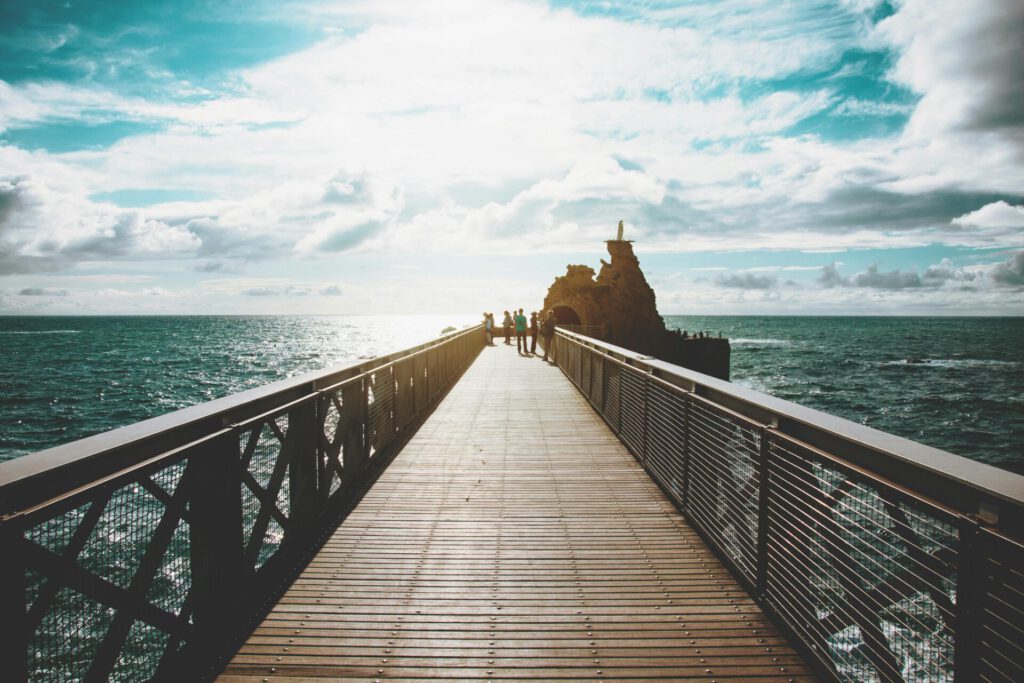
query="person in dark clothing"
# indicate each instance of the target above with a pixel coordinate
(533, 333)
(507, 325)
(548, 331)
(520, 321)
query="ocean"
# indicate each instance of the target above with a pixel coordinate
(953, 383)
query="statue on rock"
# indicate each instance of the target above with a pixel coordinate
(618, 306)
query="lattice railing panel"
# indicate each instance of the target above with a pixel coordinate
(332, 443)
(265, 488)
(136, 661)
(169, 587)
(138, 572)
(382, 406)
(67, 640)
(108, 581)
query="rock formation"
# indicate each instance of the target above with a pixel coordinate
(618, 306)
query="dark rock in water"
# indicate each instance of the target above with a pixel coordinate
(618, 306)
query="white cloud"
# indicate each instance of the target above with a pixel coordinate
(43, 229)
(562, 125)
(946, 271)
(943, 275)
(965, 61)
(747, 280)
(537, 217)
(1010, 272)
(995, 215)
(42, 291)
(858, 107)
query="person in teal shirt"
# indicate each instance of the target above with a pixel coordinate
(521, 345)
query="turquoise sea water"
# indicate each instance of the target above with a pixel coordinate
(954, 383)
(64, 378)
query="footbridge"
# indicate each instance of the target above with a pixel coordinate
(462, 512)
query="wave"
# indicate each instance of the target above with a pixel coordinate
(40, 331)
(743, 341)
(755, 384)
(953, 363)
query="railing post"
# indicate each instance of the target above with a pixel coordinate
(419, 386)
(355, 444)
(970, 553)
(687, 415)
(324, 473)
(618, 408)
(15, 640)
(303, 468)
(604, 388)
(643, 433)
(432, 375)
(216, 548)
(402, 412)
(762, 513)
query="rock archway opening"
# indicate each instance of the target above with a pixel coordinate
(566, 316)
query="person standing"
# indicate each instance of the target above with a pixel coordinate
(547, 330)
(507, 325)
(533, 333)
(489, 328)
(521, 333)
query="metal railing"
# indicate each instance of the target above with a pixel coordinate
(595, 331)
(132, 554)
(884, 559)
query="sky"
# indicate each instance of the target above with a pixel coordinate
(854, 157)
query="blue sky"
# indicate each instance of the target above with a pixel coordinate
(851, 157)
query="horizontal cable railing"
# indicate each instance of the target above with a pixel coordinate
(884, 559)
(131, 555)
(595, 331)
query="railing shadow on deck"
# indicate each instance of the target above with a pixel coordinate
(882, 558)
(134, 554)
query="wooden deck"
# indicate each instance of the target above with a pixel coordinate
(515, 538)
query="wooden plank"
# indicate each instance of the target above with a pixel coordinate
(515, 538)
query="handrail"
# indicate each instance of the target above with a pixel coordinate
(137, 554)
(26, 480)
(880, 557)
(991, 491)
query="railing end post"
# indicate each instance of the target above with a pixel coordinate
(14, 643)
(968, 599)
(303, 468)
(219, 578)
(764, 453)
